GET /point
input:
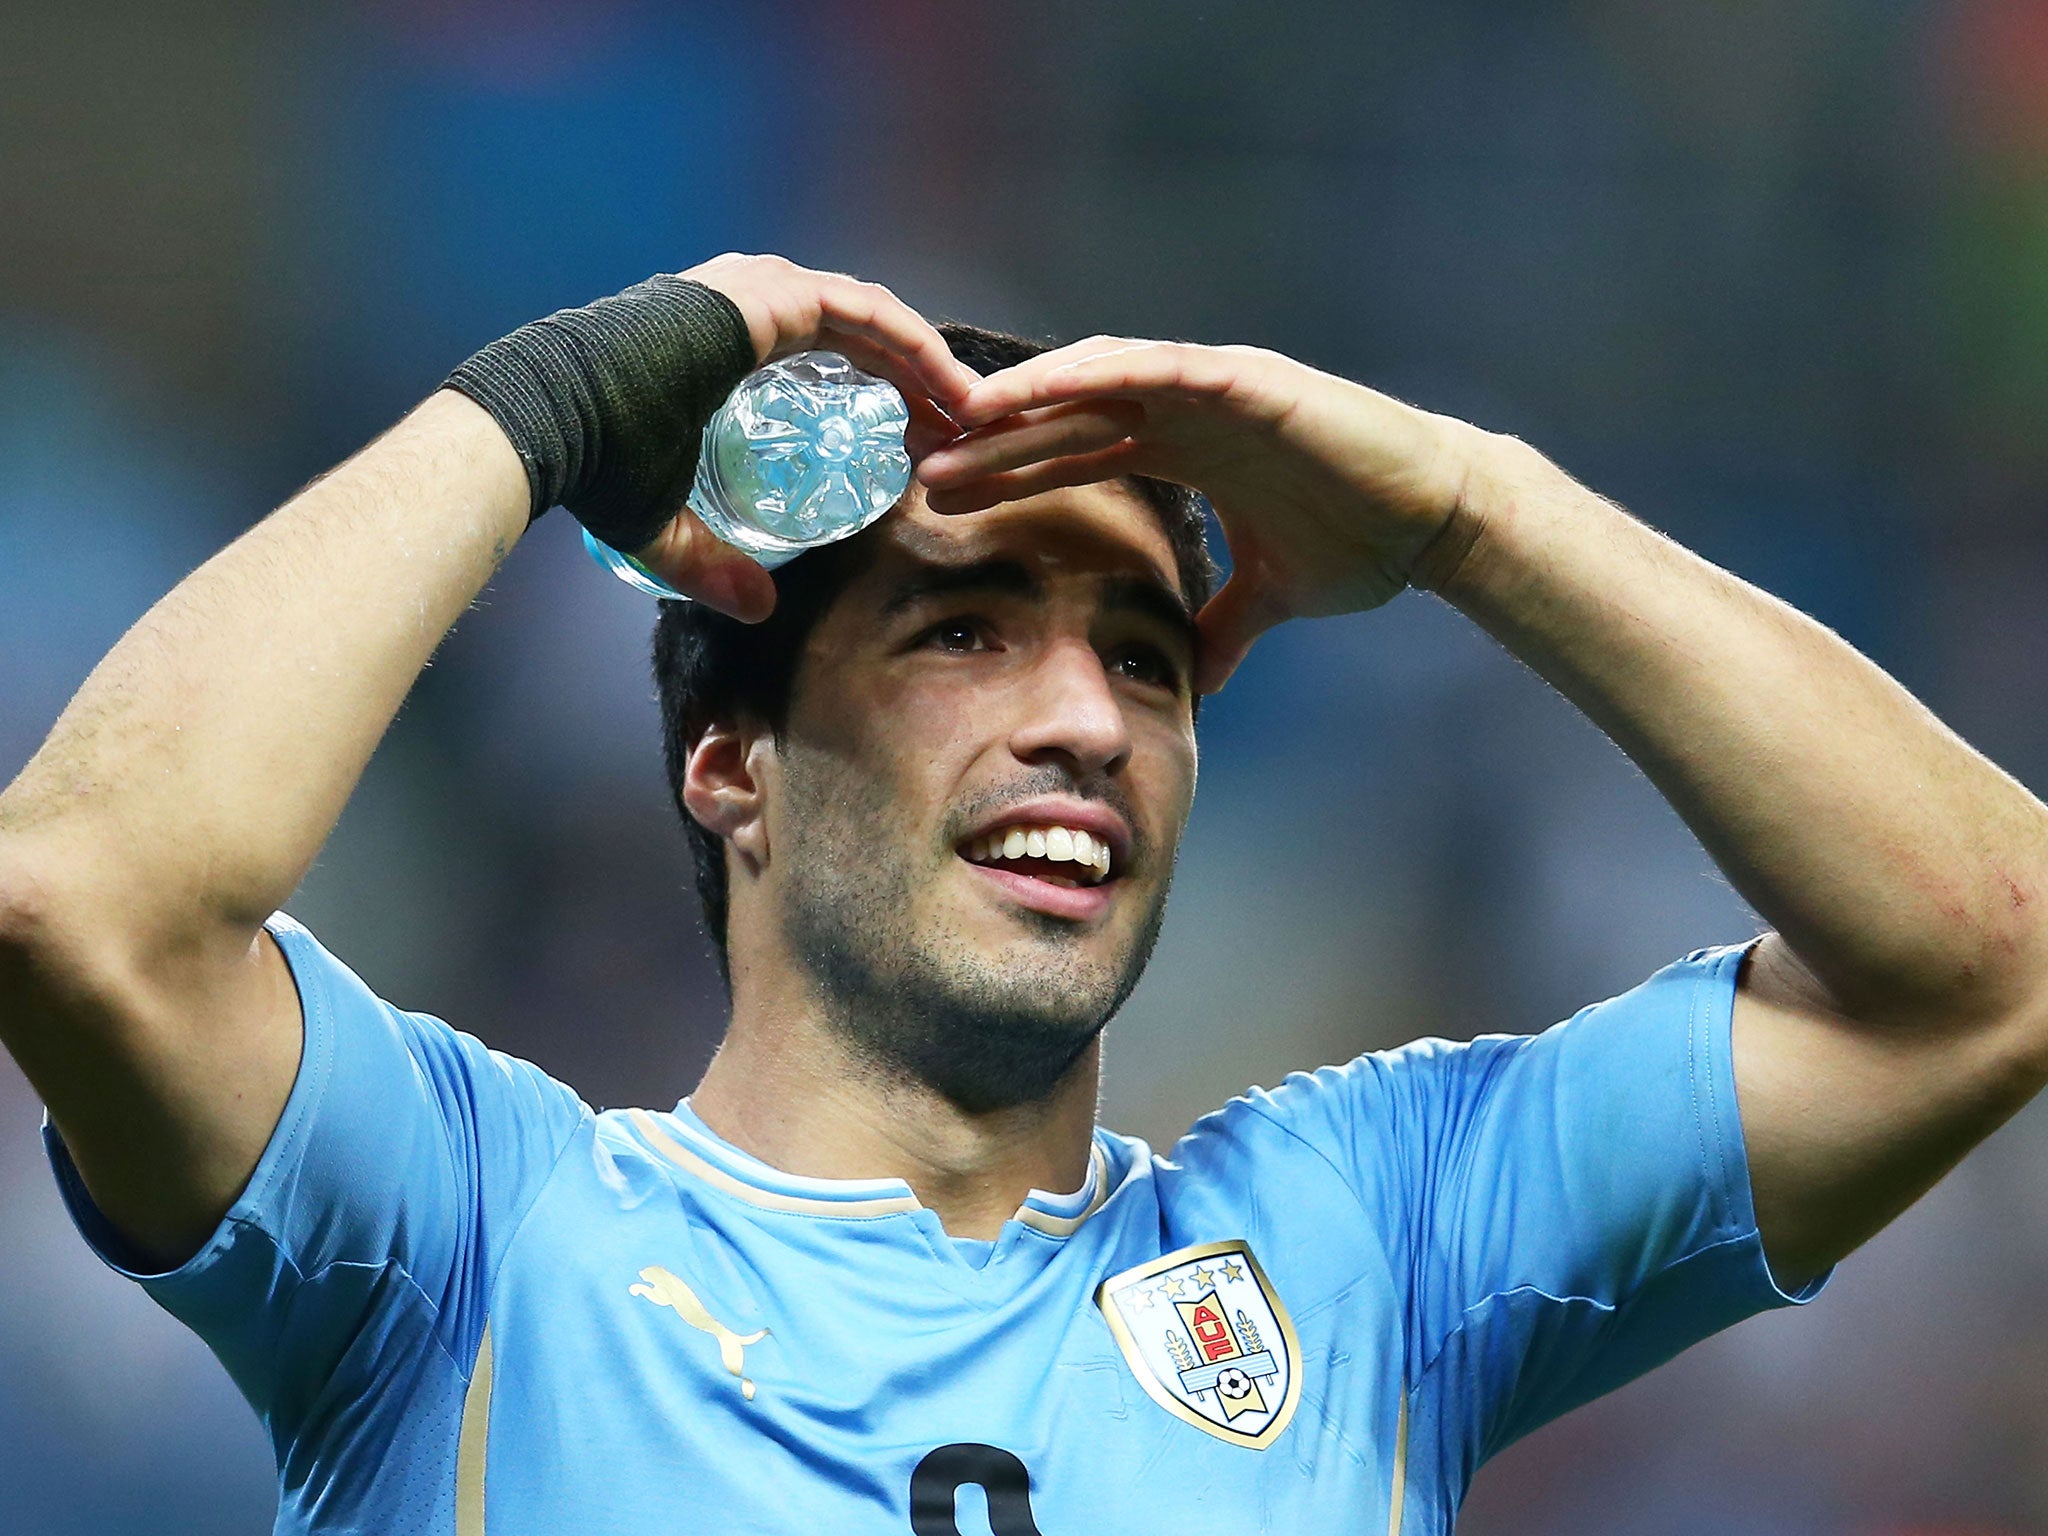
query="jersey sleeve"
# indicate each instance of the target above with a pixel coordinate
(365, 1241)
(1566, 1209)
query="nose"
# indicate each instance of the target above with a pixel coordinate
(1072, 713)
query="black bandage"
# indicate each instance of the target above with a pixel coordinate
(607, 404)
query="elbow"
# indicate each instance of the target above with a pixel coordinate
(24, 912)
(80, 957)
(27, 947)
(2005, 963)
(2000, 992)
(1968, 952)
(58, 969)
(2023, 1016)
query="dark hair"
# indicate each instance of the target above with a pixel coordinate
(710, 668)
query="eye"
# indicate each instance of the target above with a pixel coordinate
(1146, 664)
(958, 635)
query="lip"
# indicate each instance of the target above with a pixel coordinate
(1081, 903)
(1063, 811)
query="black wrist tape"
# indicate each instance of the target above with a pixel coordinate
(607, 404)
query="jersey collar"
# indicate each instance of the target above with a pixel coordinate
(686, 1141)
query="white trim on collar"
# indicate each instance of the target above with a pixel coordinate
(1088, 1198)
(711, 1173)
(687, 1142)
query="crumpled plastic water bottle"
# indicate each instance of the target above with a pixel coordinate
(804, 451)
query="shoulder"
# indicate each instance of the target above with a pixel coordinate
(1389, 1126)
(1320, 1148)
(373, 1073)
(1666, 1026)
(1332, 1111)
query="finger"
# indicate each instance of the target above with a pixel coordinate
(1109, 463)
(787, 306)
(868, 310)
(1015, 442)
(1228, 624)
(698, 564)
(865, 355)
(929, 430)
(1009, 390)
(1101, 366)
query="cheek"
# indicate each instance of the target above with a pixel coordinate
(894, 776)
(1163, 748)
(933, 733)
(1165, 770)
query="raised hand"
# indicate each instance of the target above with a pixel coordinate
(788, 309)
(1329, 493)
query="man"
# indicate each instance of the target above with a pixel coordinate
(882, 1253)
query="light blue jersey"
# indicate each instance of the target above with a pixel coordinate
(464, 1303)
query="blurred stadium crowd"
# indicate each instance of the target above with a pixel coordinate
(1773, 273)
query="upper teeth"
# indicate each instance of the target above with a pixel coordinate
(1058, 844)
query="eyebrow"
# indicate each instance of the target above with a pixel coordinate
(1010, 578)
(1136, 594)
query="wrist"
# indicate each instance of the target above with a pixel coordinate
(502, 500)
(1473, 470)
(605, 404)
(1504, 516)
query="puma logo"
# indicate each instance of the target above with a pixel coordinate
(666, 1290)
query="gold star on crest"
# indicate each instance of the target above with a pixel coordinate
(1231, 1271)
(1203, 1277)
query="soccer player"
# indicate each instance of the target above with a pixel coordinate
(936, 776)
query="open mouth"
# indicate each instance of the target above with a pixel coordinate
(1061, 856)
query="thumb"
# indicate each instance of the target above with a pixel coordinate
(1228, 624)
(702, 566)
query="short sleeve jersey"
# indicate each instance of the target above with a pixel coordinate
(463, 1302)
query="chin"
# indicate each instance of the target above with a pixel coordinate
(990, 1010)
(985, 1036)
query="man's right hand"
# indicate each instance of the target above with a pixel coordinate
(791, 309)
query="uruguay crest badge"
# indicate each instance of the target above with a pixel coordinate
(1207, 1337)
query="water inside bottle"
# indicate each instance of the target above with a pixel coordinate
(805, 451)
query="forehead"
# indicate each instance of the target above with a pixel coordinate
(1086, 531)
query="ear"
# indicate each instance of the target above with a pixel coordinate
(725, 783)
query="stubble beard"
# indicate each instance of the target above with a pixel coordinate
(921, 1001)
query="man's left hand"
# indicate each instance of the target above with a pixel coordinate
(1333, 496)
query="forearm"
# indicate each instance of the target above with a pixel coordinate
(187, 788)
(1904, 870)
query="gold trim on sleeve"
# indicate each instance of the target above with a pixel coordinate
(473, 1446)
(1400, 1466)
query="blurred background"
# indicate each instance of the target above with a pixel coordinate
(1773, 273)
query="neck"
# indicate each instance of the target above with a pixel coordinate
(788, 1089)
